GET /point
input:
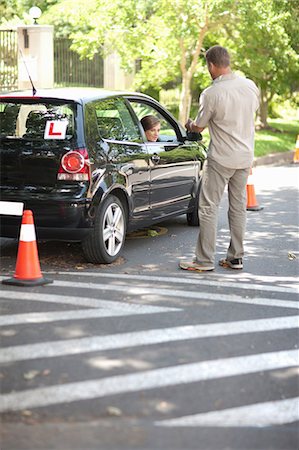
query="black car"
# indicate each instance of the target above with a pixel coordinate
(79, 159)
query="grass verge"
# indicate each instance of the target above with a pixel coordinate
(282, 140)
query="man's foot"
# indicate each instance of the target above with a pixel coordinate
(195, 266)
(232, 263)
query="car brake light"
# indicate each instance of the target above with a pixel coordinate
(74, 166)
(72, 162)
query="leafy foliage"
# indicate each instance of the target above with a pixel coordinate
(168, 38)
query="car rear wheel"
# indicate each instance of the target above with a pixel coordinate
(106, 240)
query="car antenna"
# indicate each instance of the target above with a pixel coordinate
(23, 59)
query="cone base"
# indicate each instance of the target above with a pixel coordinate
(254, 208)
(34, 282)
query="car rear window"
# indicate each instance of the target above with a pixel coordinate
(36, 120)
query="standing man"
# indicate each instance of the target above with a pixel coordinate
(227, 107)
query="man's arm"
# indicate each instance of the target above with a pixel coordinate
(204, 115)
(190, 125)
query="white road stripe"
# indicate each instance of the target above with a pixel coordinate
(190, 281)
(135, 290)
(129, 289)
(264, 414)
(168, 376)
(54, 316)
(52, 349)
(88, 302)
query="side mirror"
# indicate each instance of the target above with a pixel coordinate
(191, 136)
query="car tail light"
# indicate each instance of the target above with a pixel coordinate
(75, 166)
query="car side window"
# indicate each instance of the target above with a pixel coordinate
(167, 132)
(115, 122)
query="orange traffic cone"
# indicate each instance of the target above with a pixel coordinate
(252, 204)
(27, 272)
(296, 154)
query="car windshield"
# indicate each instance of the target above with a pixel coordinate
(36, 121)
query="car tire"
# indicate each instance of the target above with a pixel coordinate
(193, 216)
(105, 242)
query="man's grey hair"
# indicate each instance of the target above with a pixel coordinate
(218, 55)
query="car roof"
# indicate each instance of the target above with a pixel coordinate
(81, 95)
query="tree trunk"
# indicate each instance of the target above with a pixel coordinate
(188, 72)
(185, 99)
(263, 110)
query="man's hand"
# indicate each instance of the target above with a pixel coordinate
(188, 124)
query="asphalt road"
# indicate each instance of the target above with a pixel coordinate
(141, 355)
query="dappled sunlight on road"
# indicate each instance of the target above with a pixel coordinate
(276, 177)
(105, 363)
(271, 240)
(69, 332)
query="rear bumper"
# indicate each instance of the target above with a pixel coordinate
(43, 233)
(66, 221)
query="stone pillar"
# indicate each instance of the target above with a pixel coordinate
(36, 45)
(114, 76)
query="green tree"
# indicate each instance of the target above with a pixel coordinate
(180, 41)
(263, 48)
(166, 35)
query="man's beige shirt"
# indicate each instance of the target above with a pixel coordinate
(228, 107)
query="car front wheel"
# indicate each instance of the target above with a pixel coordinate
(106, 240)
(193, 216)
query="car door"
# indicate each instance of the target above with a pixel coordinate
(174, 166)
(120, 151)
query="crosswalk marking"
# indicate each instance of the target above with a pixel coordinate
(88, 302)
(54, 316)
(140, 338)
(136, 297)
(190, 280)
(264, 414)
(163, 377)
(138, 291)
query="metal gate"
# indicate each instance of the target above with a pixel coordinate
(70, 70)
(8, 60)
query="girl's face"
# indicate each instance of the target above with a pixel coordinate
(153, 134)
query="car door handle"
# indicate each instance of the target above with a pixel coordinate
(155, 158)
(128, 169)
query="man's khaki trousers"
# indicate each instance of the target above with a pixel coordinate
(215, 178)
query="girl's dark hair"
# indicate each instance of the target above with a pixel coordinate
(149, 122)
(218, 55)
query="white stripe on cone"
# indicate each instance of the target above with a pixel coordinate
(27, 233)
(250, 180)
